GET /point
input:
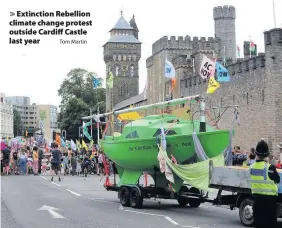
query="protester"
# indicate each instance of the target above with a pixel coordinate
(55, 161)
(66, 164)
(73, 163)
(252, 157)
(40, 157)
(16, 163)
(101, 162)
(35, 160)
(238, 157)
(23, 163)
(30, 163)
(78, 166)
(44, 165)
(6, 160)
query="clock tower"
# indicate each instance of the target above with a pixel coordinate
(122, 53)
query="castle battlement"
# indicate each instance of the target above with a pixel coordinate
(273, 37)
(172, 43)
(243, 65)
(195, 43)
(220, 12)
(204, 44)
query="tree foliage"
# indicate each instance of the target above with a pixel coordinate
(18, 126)
(78, 98)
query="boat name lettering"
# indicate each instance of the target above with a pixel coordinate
(146, 147)
(186, 144)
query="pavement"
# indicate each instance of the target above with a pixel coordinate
(78, 202)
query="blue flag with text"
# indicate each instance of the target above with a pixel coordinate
(169, 69)
(222, 73)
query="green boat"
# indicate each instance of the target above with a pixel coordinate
(136, 150)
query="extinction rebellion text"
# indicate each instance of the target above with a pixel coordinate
(42, 27)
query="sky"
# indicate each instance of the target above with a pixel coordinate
(37, 71)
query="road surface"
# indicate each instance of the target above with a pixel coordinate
(78, 202)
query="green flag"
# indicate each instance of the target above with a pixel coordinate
(110, 80)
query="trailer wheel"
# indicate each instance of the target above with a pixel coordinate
(136, 200)
(246, 212)
(193, 202)
(124, 197)
(182, 201)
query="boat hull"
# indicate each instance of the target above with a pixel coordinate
(141, 154)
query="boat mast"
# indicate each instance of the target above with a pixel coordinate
(145, 107)
(202, 115)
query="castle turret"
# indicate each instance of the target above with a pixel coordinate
(134, 25)
(122, 53)
(224, 18)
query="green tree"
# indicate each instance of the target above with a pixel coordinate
(78, 98)
(18, 126)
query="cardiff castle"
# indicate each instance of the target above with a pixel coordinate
(255, 85)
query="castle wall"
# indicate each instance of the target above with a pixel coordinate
(256, 87)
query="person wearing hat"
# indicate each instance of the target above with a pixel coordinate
(264, 186)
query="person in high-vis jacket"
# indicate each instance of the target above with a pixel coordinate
(264, 186)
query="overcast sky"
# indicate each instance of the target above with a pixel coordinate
(38, 70)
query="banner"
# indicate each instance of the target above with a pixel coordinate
(169, 69)
(222, 73)
(213, 85)
(85, 130)
(207, 67)
(110, 80)
(95, 82)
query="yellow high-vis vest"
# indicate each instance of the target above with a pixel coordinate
(260, 181)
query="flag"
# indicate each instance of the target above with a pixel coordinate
(173, 84)
(78, 146)
(63, 142)
(169, 69)
(110, 80)
(83, 144)
(85, 130)
(73, 146)
(96, 82)
(222, 73)
(58, 139)
(252, 46)
(238, 51)
(207, 68)
(213, 85)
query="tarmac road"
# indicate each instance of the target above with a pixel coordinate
(83, 202)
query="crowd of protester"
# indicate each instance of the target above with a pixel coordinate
(36, 160)
(241, 158)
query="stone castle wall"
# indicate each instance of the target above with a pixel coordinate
(255, 87)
